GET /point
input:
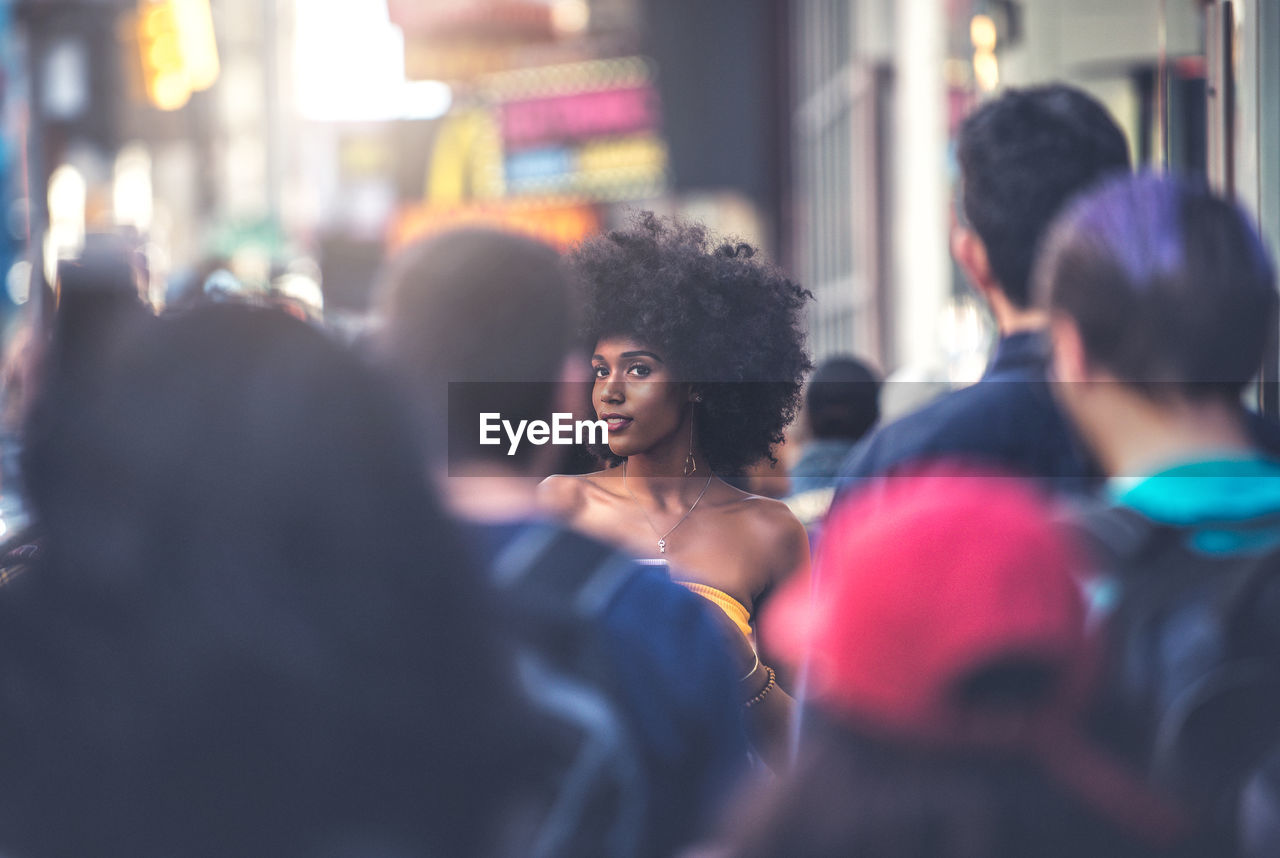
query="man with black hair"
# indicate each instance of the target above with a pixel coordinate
(481, 321)
(1161, 299)
(1022, 157)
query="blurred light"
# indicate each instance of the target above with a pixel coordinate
(559, 222)
(964, 335)
(222, 285)
(131, 190)
(152, 23)
(199, 47)
(66, 80)
(307, 267)
(986, 70)
(570, 17)
(170, 91)
(425, 99)
(66, 196)
(65, 237)
(349, 66)
(304, 290)
(982, 33)
(251, 266)
(164, 52)
(157, 264)
(163, 62)
(18, 282)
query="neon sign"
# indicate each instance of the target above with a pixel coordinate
(578, 115)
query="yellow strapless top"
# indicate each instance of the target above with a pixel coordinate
(732, 607)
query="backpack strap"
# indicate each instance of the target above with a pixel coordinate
(554, 567)
(602, 797)
(1251, 608)
(563, 583)
(1116, 532)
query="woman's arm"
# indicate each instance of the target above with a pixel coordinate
(767, 708)
(790, 559)
(770, 708)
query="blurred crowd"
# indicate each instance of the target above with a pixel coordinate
(280, 596)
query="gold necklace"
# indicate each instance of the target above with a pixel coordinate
(662, 538)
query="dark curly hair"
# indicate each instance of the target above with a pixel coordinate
(1022, 157)
(723, 319)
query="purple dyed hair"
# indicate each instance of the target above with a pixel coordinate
(1169, 284)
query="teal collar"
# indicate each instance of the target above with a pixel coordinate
(1232, 503)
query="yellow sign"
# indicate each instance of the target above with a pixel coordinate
(178, 49)
(466, 162)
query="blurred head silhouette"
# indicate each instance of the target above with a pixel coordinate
(96, 293)
(481, 320)
(1161, 297)
(842, 399)
(254, 633)
(1167, 285)
(1022, 157)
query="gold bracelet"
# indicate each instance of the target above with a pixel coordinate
(769, 686)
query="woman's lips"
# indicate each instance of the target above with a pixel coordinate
(616, 422)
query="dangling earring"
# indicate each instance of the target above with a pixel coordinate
(690, 463)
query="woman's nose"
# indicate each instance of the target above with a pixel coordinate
(610, 390)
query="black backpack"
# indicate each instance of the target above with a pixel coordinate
(1192, 687)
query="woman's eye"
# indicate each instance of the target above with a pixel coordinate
(639, 370)
(600, 371)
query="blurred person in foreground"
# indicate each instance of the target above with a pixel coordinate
(481, 321)
(1162, 299)
(950, 667)
(1022, 156)
(95, 294)
(841, 405)
(697, 357)
(253, 631)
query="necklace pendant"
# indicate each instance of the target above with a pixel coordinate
(662, 546)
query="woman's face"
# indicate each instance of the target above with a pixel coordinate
(634, 393)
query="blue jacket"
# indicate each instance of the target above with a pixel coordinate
(1007, 420)
(651, 648)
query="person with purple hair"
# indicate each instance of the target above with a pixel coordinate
(1161, 301)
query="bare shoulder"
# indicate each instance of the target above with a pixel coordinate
(759, 510)
(782, 537)
(561, 494)
(777, 520)
(566, 494)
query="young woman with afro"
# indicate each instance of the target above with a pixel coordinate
(697, 358)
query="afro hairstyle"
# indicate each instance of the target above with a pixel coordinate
(724, 320)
